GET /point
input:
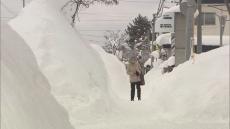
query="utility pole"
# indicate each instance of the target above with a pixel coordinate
(199, 27)
(153, 35)
(188, 8)
(222, 25)
(23, 3)
(153, 28)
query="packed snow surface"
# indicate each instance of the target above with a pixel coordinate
(94, 88)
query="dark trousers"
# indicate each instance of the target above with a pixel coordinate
(133, 86)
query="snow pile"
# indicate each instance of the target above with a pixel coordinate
(169, 62)
(26, 101)
(148, 62)
(196, 92)
(164, 39)
(74, 70)
(155, 55)
(119, 80)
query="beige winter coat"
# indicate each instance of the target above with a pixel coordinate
(131, 70)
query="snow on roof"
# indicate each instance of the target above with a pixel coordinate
(213, 40)
(173, 9)
(164, 39)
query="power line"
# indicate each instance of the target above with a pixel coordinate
(112, 21)
(97, 30)
(133, 1)
(103, 13)
(109, 20)
(7, 17)
(100, 25)
(96, 41)
(106, 16)
(137, 0)
(95, 36)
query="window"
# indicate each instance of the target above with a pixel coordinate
(210, 19)
(207, 19)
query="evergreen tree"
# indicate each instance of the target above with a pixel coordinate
(139, 30)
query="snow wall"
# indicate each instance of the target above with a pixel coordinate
(194, 91)
(75, 71)
(117, 76)
(26, 101)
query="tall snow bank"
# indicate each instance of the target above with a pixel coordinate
(26, 101)
(74, 70)
(116, 71)
(198, 92)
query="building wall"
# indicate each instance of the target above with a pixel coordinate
(180, 25)
(215, 29)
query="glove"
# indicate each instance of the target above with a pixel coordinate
(137, 73)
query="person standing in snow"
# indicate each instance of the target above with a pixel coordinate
(134, 72)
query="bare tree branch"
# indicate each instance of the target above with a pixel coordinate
(84, 3)
(66, 4)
